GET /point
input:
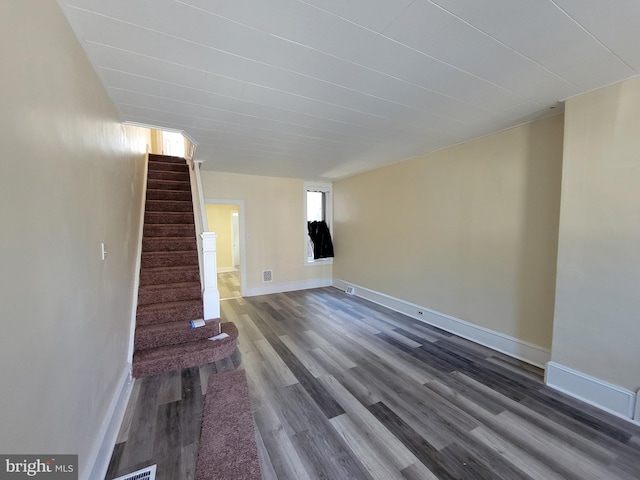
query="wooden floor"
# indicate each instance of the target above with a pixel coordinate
(229, 285)
(345, 389)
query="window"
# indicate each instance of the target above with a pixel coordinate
(317, 208)
(173, 144)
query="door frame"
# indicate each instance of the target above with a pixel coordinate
(241, 236)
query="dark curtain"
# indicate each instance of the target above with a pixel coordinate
(321, 239)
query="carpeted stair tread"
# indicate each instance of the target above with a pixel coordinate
(227, 448)
(169, 259)
(173, 333)
(168, 185)
(169, 292)
(167, 159)
(176, 357)
(169, 206)
(160, 194)
(160, 275)
(156, 166)
(169, 230)
(163, 218)
(181, 176)
(169, 312)
(169, 244)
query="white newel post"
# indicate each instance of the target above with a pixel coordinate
(210, 294)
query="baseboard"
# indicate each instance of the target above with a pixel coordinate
(525, 351)
(287, 287)
(98, 462)
(592, 390)
(226, 269)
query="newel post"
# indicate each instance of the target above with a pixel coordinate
(210, 294)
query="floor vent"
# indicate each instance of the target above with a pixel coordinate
(266, 276)
(350, 290)
(148, 473)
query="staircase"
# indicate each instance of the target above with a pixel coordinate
(169, 295)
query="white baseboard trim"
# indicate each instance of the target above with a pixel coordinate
(592, 390)
(106, 437)
(525, 351)
(287, 287)
(226, 269)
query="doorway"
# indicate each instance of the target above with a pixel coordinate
(224, 217)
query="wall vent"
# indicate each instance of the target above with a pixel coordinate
(350, 290)
(266, 276)
(148, 473)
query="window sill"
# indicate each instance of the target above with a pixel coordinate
(320, 261)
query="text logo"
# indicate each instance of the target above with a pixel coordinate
(50, 467)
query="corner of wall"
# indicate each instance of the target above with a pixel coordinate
(591, 390)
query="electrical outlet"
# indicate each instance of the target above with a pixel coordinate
(420, 312)
(266, 276)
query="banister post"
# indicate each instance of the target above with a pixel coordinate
(210, 294)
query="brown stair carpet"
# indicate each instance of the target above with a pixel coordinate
(169, 295)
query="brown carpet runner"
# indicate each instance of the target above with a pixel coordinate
(169, 295)
(227, 440)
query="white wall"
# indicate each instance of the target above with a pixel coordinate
(469, 231)
(274, 230)
(70, 178)
(597, 312)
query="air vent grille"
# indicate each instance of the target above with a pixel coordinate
(266, 276)
(350, 290)
(148, 473)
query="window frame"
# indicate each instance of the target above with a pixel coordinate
(327, 189)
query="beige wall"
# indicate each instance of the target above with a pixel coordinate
(274, 226)
(597, 325)
(156, 141)
(219, 220)
(70, 178)
(470, 231)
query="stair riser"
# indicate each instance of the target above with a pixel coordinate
(159, 194)
(169, 231)
(169, 315)
(168, 167)
(168, 175)
(168, 206)
(157, 339)
(163, 276)
(160, 244)
(169, 295)
(169, 259)
(154, 157)
(168, 217)
(168, 185)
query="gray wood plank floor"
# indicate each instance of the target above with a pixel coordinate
(345, 389)
(229, 285)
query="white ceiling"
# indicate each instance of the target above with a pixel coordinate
(324, 89)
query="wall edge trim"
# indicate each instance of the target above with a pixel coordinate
(287, 287)
(110, 427)
(513, 347)
(594, 391)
